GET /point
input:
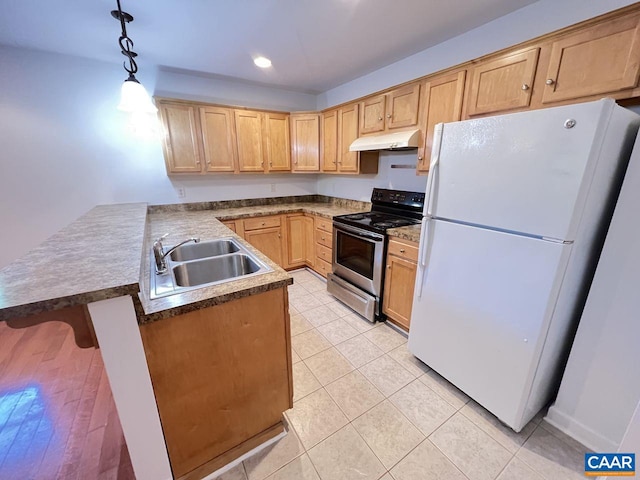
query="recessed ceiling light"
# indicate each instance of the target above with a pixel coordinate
(262, 62)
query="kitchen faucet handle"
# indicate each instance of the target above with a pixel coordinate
(162, 237)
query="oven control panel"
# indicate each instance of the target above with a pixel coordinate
(397, 197)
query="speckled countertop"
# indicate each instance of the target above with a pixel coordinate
(412, 233)
(105, 254)
(94, 258)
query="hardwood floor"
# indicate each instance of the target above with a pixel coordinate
(57, 415)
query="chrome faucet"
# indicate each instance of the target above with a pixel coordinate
(160, 255)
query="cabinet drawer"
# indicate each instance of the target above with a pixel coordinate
(322, 267)
(324, 253)
(261, 222)
(324, 224)
(407, 250)
(324, 238)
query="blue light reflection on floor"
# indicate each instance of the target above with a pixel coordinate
(25, 425)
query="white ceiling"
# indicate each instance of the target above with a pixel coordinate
(315, 45)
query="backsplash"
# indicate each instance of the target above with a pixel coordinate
(197, 206)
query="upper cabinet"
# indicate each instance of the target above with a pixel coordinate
(598, 60)
(219, 139)
(329, 141)
(347, 134)
(397, 109)
(373, 114)
(442, 102)
(277, 144)
(402, 107)
(249, 139)
(502, 83)
(305, 142)
(181, 137)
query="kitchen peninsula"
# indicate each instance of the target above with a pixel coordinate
(94, 274)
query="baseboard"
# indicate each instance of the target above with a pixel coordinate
(585, 435)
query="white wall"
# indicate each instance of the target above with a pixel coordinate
(359, 188)
(524, 24)
(65, 148)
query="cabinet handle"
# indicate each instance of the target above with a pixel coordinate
(420, 157)
(263, 224)
(525, 86)
(262, 164)
(550, 81)
(279, 236)
(388, 115)
(389, 266)
(402, 250)
(379, 119)
(271, 164)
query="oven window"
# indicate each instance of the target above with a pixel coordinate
(355, 254)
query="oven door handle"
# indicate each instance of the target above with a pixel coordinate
(358, 232)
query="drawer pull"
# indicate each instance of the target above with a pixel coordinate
(402, 250)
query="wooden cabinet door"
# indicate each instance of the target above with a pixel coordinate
(249, 139)
(442, 103)
(219, 139)
(329, 141)
(347, 133)
(305, 142)
(399, 281)
(221, 375)
(373, 114)
(595, 61)
(402, 107)
(503, 83)
(295, 240)
(268, 241)
(278, 147)
(181, 138)
(309, 240)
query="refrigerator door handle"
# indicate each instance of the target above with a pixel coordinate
(422, 257)
(435, 161)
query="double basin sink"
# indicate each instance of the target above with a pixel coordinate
(199, 265)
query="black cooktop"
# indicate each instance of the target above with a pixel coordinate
(390, 209)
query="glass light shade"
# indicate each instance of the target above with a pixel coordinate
(134, 98)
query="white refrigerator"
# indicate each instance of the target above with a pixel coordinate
(516, 209)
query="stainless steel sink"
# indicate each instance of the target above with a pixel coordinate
(195, 251)
(204, 264)
(213, 270)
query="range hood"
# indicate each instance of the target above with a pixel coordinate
(388, 141)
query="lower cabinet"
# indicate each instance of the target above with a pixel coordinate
(295, 245)
(323, 245)
(222, 378)
(265, 233)
(291, 240)
(400, 277)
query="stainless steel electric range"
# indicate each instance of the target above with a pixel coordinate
(360, 247)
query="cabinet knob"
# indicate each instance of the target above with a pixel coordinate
(402, 250)
(379, 119)
(263, 223)
(262, 164)
(388, 115)
(271, 164)
(550, 81)
(389, 266)
(420, 157)
(525, 86)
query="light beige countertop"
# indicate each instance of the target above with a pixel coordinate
(106, 254)
(411, 233)
(94, 258)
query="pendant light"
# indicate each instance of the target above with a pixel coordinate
(134, 97)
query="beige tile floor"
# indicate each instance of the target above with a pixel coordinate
(365, 408)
